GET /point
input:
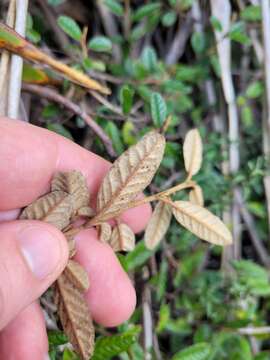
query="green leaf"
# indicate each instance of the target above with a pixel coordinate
(198, 42)
(254, 90)
(128, 131)
(164, 316)
(33, 36)
(158, 109)
(100, 44)
(126, 98)
(200, 351)
(169, 18)
(7, 36)
(247, 116)
(70, 27)
(59, 129)
(56, 338)
(251, 13)
(33, 75)
(109, 346)
(114, 133)
(146, 10)
(115, 7)
(216, 23)
(51, 110)
(138, 256)
(89, 64)
(149, 58)
(69, 355)
(238, 33)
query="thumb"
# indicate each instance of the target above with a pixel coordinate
(32, 256)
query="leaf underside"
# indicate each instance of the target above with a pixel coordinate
(105, 232)
(74, 315)
(193, 152)
(129, 175)
(74, 183)
(54, 208)
(158, 225)
(122, 238)
(201, 222)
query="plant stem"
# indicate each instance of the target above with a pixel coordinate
(148, 199)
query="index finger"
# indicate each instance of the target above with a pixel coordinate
(29, 156)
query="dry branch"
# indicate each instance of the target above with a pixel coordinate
(54, 96)
(11, 41)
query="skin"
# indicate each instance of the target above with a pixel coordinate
(29, 156)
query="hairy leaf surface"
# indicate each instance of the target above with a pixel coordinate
(77, 275)
(54, 208)
(201, 222)
(74, 315)
(193, 152)
(123, 238)
(129, 175)
(158, 225)
(74, 183)
(105, 232)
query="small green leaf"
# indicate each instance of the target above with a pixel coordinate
(7, 36)
(146, 10)
(70, 27)
(33, 75)
(56, 338)
(158, 109)
(110, 346)
(138, 256)
(169, 18)
(254, 90)
(247, 115)
(115, 7)
(149, 58)
(251, 13)
(33, 36)
(128, 131)
(89, 64)
(238, 33)
(216, 23)
(198, 42)
(114, 133)
(126, 98)
(100, 44)
(69, 355)
(200, 351)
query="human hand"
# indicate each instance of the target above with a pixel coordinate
(33, 253)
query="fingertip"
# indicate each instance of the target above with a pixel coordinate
(111, 296)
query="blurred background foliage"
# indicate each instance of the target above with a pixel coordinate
(159, 58)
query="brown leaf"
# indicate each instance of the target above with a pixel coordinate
(158, 225)
(73, 183)
(122, 239)
(54, 208)
(193, 152)
(201, 222)
(196, 195)
(85, 211)
(129, 175)
(105, 232)
(77, 275)
(74, 315)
